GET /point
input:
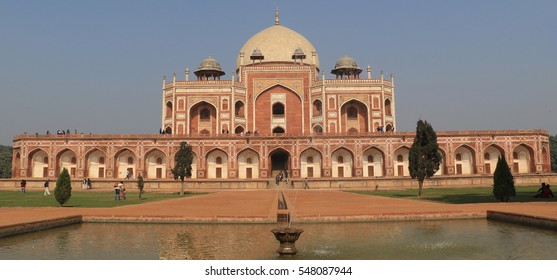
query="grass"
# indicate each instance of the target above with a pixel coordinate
(84, 199)
(460, 195)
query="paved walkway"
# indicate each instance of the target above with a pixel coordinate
(261, 206)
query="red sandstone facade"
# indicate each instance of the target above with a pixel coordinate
(276, 113)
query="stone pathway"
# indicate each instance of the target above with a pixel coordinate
(260, 206)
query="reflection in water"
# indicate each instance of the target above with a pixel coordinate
(463, 239)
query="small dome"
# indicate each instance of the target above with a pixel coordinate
(346, 62)
(209, 64)
(298, 51)
(256, 52)
(209, 67)
(347, 67)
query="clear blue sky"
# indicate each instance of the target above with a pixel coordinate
(96, 66)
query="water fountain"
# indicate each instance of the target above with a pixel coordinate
(286, 235)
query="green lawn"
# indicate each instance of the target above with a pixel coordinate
(85, 199)
(460, 195)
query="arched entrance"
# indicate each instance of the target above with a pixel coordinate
(67, 159)
(278, 130)
(279, 161)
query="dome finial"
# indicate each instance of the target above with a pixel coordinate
(276, 17)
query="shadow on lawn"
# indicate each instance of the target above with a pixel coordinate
(463, 198)
(482, 198)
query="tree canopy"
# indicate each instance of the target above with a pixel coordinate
(424, 157)
(553, 152)
(182, 160)
(6, 161)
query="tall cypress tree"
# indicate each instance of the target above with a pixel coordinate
(424, 157)
(503, 181)
(63, 190)
(6, 161)
(182, 160)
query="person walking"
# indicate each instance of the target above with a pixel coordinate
(89, 184)
(46, 190)
(84, 186)
(306, 186)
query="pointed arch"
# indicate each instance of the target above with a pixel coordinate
(490, 156)
(38, 163)
(239, 109)
(278, 85)
(203, 118)
(373, 162)
(279, 160)
(465, 160)
(342, 162)
(443, 164)
(67, 158)
(95, 163)
(401, 162)
(317, 109)
(169, 108)
(354, 116)
(277, 106)
(278, 130)
(125, 163)
(523, 159)
(388, 110)
(239, 129)
(155, 164)
(278, 109)
(217, 164)
(318, 129)
(248, 164)
(311, 162)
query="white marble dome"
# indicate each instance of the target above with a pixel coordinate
(277, 43)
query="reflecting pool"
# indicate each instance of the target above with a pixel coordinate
(430, 240)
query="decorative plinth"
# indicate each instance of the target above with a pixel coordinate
(287, 237)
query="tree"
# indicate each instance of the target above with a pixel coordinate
(183, 159)
(63, 190)
(424, 157)
(6, 161)
(553, 152)
(140, 185)
(503, 181)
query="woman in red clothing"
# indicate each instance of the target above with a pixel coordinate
(23, 184)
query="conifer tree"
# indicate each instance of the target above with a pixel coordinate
(63, 190)
(424, 157)
(503, 181)
(140, 185)
(6, 161)
(182, 160)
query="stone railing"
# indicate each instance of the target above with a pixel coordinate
(277, 135)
